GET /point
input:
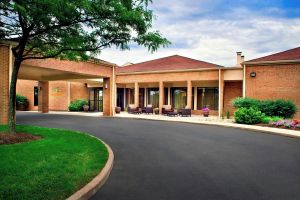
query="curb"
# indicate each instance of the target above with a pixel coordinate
(267, 130)
(94, 185)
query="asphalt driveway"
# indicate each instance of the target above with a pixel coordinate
(166, 160)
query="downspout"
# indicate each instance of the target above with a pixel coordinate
(10, 66)
(113, 93)
(244, 81)
(219, 106)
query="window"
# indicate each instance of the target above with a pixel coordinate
(36, 96)
(208, 98)
(179, 97)
(153, 97)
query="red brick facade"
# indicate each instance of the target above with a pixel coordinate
(231, 91)
(59, 92)
(274, 82)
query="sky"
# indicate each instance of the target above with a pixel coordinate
(214, 30)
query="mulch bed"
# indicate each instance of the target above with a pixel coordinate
(281, 127)
(17, 138)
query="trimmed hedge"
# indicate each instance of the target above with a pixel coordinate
(281, 108)
(248, 115)
(77, 105)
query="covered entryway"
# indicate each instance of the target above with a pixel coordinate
(45, 71)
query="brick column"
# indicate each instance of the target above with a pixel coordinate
(136, 94)
(107, 97)
(221, 92)
(43, 97)
(189, 94)
(161, 96)
(5, 63)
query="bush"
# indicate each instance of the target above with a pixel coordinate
(241, 102)
(21, 100)
(281, 108)
(268, 119)
(77, 105)
(248, 115)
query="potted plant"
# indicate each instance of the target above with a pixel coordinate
(205, 112)
(118, 110)
(21, 102)
(86, 108)
(156, 111)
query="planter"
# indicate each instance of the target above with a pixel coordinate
(205, 113)
(118, 110)
(22, 107)
(156, 111)
(86, 108)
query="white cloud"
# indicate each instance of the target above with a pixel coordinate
(215, 39)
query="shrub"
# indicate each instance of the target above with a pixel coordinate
(241, 102)
(21, 100)
(248, 115)
(77, 105)
(281, 108)
(268, 119)
(228, 115)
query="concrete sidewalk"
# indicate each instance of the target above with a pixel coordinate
(213, 120)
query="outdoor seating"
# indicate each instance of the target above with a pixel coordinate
(167, 109)
(132, 109)
(185, 112)
(173, 113)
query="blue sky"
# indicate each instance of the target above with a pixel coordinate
(213, 30)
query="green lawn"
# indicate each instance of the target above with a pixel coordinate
(51, 168)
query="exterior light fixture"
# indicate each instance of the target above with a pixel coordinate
(253, 74)
(106, 86)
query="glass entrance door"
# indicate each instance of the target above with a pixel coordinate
(96, 99)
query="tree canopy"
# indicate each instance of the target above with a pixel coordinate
(76, 29)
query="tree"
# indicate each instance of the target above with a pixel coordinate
(73, 30)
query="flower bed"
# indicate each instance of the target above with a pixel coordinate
(284, 123)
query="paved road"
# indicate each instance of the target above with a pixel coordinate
(166, 160)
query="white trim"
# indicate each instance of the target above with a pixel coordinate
(219, 106)
(169, 96)
(69, 92)
(10, 66)
(113, 92)
(145, 97)
(124, 98)
(195, 97)
(244, 82)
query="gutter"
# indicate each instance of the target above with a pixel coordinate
(271, 62)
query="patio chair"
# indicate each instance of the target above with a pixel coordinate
(166, 109)
(185, 112)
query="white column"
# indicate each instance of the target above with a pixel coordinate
(145, 97)
(195, 98)
(124, 98)
(169, 96)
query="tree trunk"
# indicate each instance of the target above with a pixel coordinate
(12, 97)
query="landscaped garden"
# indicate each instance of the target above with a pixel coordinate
(274, 113)
(53, 165)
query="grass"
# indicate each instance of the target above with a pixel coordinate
(51, 168)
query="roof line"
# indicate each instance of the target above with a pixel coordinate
(271, 62)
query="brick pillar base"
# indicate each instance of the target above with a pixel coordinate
(43, 97)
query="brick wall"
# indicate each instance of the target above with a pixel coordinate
(274, 82)
(4, 83)
(58, 95)
(231, 91)
(26, 88)
(79, 91)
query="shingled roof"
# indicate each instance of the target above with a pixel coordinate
(292, 54)
(170, 63)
